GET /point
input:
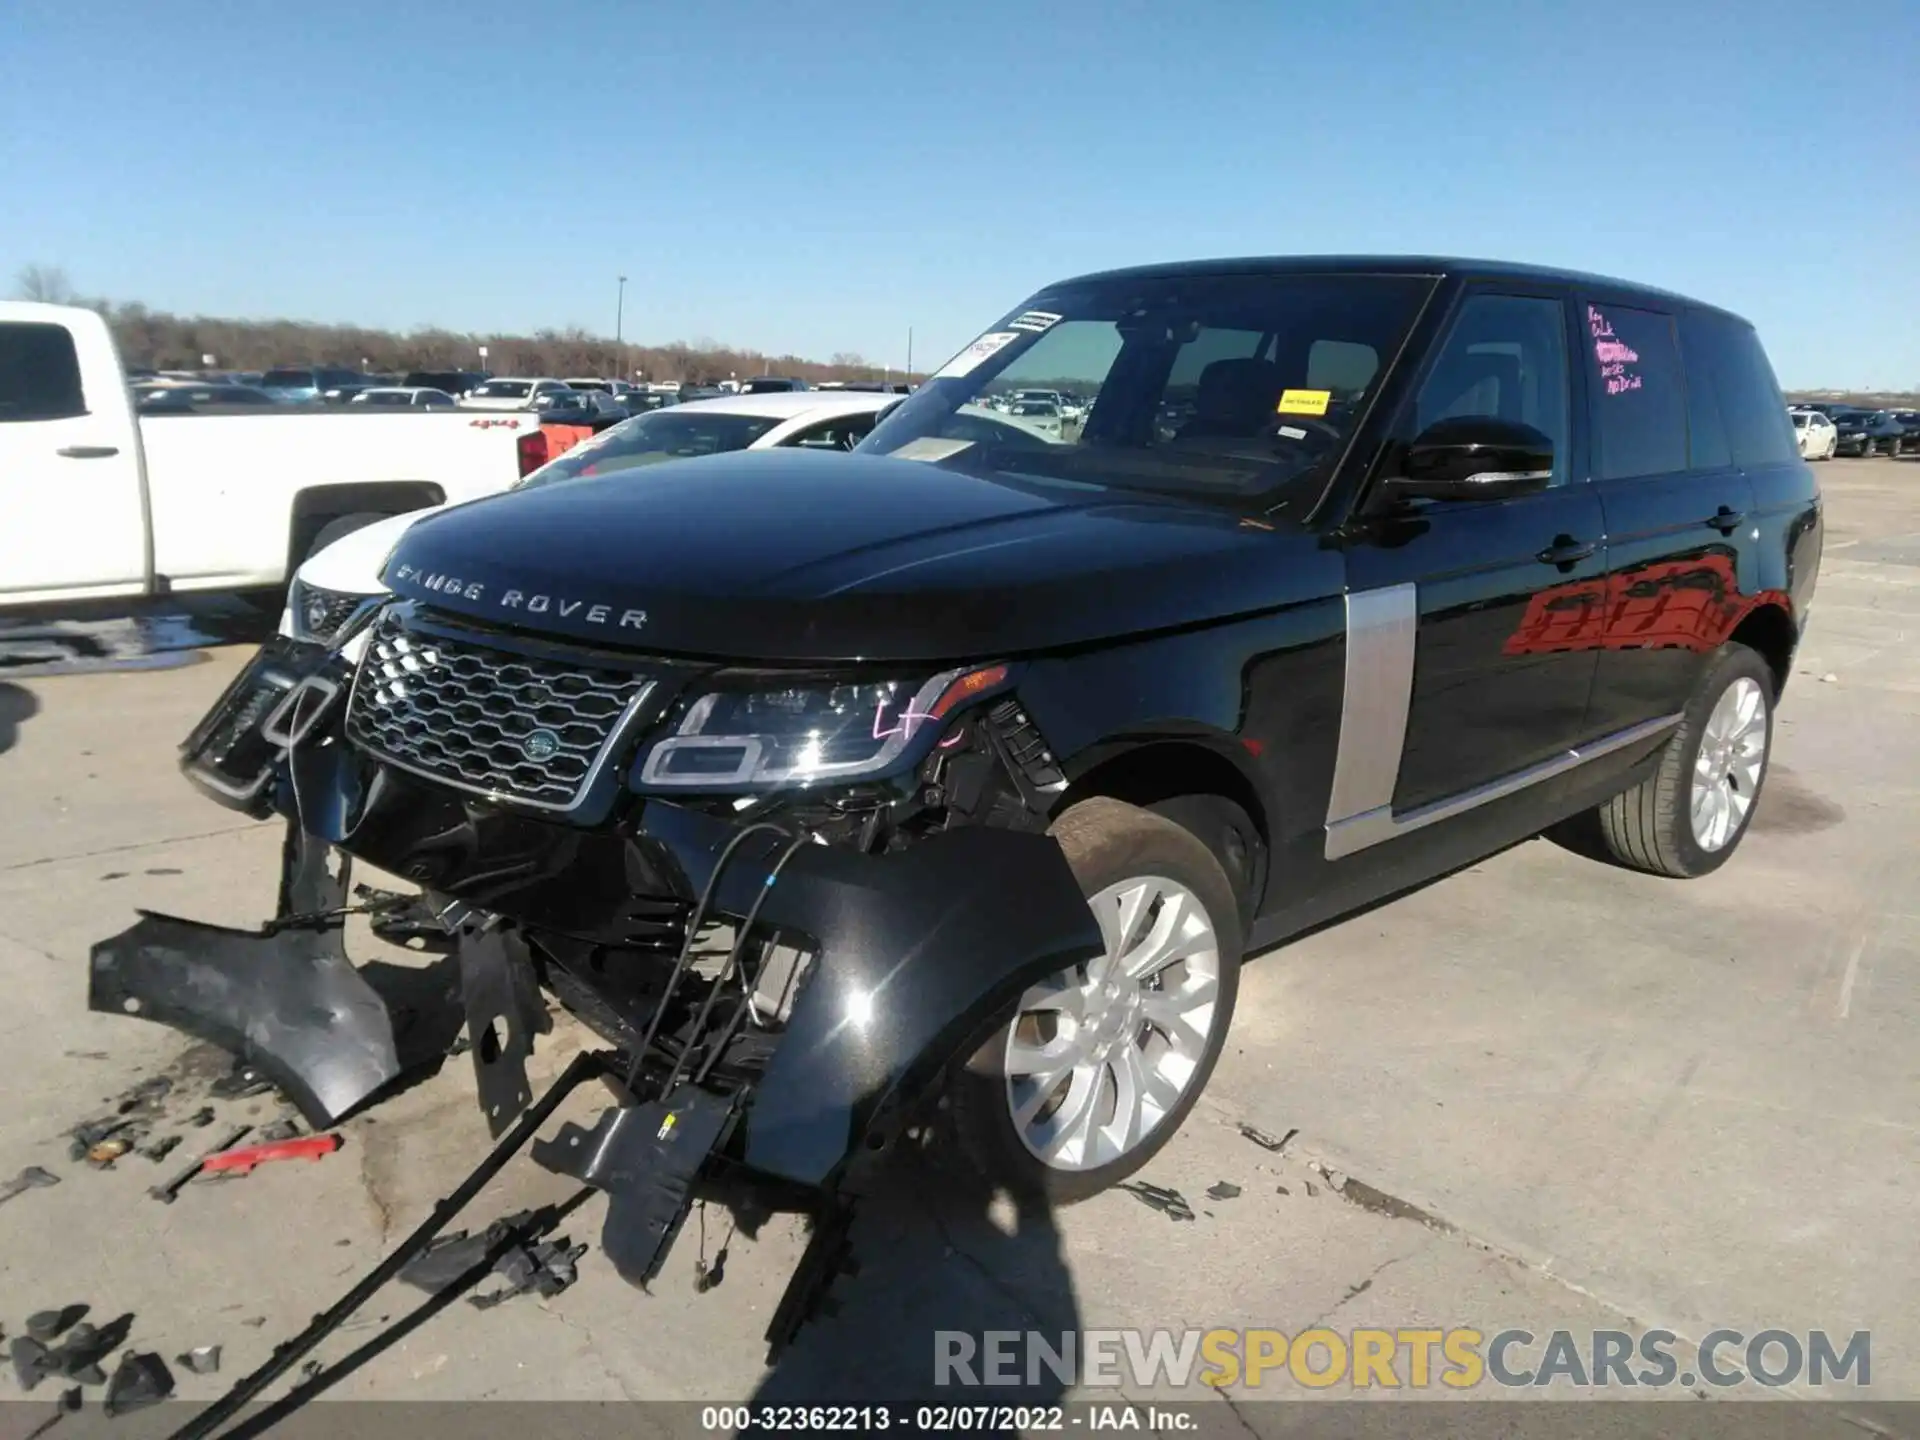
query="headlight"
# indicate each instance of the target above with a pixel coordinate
(811, 732)
(321, 616)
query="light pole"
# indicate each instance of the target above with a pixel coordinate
(619, 317)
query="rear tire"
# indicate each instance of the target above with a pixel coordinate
(1089, 1074)
(1688, 817)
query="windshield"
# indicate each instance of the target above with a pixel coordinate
(1799, 420)
(385, 397)
(288, 379)
(1223, 385)
(507, 389)
(648, 439)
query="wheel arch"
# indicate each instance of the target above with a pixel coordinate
(314, 507)
(1769, 630)
(1153, 773)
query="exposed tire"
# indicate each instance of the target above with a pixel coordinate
(1656, 826)
(1109, 1035)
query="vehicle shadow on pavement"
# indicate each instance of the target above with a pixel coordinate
(16, 707)
(938, 1251)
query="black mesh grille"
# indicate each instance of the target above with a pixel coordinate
(320, 613)
(487, 720)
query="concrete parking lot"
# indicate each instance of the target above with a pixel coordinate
(1620, 1102)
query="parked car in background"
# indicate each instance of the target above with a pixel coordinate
(404, 397)
(331, 586)
(302, 384)
(619, 389)
(1815, 434)
(772, 385)
(1909, 422)
(580, 407)
(454, 382)
(511, 394)
(190, 399)
(105, 500)
(1868, 432)
(345, 390)
(1040, 416)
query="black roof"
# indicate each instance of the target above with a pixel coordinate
(1438, 266)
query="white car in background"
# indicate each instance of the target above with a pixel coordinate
(512, 394)
(403, 397)
(1818, 436)
(340, 583)
(1042, 417)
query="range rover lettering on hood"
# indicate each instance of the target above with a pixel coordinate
(531, 603)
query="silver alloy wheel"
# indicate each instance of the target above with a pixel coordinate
(1730, 761)
(1100, 1054)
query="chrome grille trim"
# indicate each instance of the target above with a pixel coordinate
(455, 709)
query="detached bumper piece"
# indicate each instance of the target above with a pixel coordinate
(284, 998)
(646, 1158)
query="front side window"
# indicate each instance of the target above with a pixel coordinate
(1635, 392)
(1231, 386)
(39, 373)
(651, 438)
(1505, 358)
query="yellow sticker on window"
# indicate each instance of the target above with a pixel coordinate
(1304, 402)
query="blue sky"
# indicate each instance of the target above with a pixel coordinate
(818, 178)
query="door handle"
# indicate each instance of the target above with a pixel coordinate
(88, 452)
(1726, 519)
(1566, 551)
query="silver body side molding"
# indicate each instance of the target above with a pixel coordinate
(1381, 629)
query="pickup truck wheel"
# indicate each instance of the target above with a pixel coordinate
(1092, 1070)
(1688, 817)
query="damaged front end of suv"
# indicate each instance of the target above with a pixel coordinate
(782, 970)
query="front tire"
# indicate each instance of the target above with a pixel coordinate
(1089, 1074)
(1688, 817)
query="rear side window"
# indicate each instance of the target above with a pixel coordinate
(1707, 445)
(39, 373)
(1636, 394)
(1758, 427)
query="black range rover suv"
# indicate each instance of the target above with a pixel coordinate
(1000, 749)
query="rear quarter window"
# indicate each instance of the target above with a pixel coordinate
(1759, 430)
(39, 373)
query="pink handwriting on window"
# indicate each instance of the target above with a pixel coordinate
(1612, 354)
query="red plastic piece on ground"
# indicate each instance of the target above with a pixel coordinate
(242, 1160)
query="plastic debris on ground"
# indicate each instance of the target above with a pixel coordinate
(1170, 1203)
(142, 1379)
(1223, 1190)
(545, 1267)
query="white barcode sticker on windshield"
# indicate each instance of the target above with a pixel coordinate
(1293, 432)
(1034, 320)
(980, 351)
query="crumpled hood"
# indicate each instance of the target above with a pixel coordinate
(794, 556)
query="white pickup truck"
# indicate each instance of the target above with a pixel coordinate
(99, 503)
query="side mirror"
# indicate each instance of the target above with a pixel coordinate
(1475, 457)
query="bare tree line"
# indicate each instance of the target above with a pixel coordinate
(163, 341)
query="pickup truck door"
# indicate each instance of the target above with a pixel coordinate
(1491, 605)
(73, 521)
